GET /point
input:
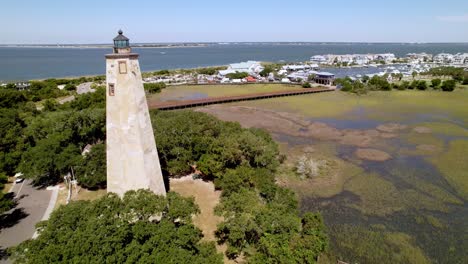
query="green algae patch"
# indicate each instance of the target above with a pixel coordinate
(377, 195)
(453, 164)
(355, 244)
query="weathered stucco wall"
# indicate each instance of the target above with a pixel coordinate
(132, 157)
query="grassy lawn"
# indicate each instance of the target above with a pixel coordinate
(83, 194)
(187, 92)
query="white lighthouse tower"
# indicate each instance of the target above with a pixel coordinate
(132, 157)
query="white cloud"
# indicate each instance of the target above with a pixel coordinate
(462, 18)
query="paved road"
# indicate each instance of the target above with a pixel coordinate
(18, 224)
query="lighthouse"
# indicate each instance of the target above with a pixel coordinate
(132, 156)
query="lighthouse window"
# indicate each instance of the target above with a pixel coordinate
(111, 89)
(122, 67)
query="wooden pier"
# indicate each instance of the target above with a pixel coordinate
(236, 98)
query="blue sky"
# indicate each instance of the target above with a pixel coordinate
(97, 21)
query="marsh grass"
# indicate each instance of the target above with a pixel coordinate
(436, 145)
(382, 106)
(420, 192)
(181, 91)
(357, 244)
(377, 195)
(453, 164)
(447, 129)
(331, 178)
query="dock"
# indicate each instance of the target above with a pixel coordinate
(236, 98)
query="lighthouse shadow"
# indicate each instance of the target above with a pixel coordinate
(166, 180)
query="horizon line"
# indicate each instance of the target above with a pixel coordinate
(248, 42)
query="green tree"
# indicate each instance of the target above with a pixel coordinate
(237, 75)
(413, 85)
(70, 87)
(53, 142)
(435, 83)
(115, 230)
(186, 138)
(11, 133)
(414, 74)
(207, 71)
(422, 85)
(91, 171)
(154, 87)
(404, 85)
(266, 71)
(465, 80)
(50, 105)
(5, 202)
(448, 85)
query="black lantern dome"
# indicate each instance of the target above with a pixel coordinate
(121, 42)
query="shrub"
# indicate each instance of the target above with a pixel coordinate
(422, 85)
(413, 85)
(154, 87)
(404, 85)
(448, 85)
(237, 75)
(306, 85)
(70, 87)
(435, 83)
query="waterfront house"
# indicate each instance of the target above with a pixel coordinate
(460, 58)
(324, 78)
(250, 67)
(319, 59)
(443, 58)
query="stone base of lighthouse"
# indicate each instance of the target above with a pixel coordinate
(132, 157)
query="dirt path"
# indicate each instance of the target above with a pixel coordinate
(206, 198)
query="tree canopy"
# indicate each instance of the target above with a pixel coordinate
(140, 228)
(186, 138)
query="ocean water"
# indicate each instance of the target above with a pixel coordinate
(26, 63)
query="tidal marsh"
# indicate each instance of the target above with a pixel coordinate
(417, 197)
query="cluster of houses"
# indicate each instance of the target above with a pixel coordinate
(451, 59)
(19, 85)
(459, 59)
(296, 73)
(352, 59)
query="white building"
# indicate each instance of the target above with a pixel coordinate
(250, 67)
(460, 58)
(443, 58)
(319, 59)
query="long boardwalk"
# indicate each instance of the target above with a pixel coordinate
(231, 99)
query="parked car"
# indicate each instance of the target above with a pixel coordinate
(19, 180)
